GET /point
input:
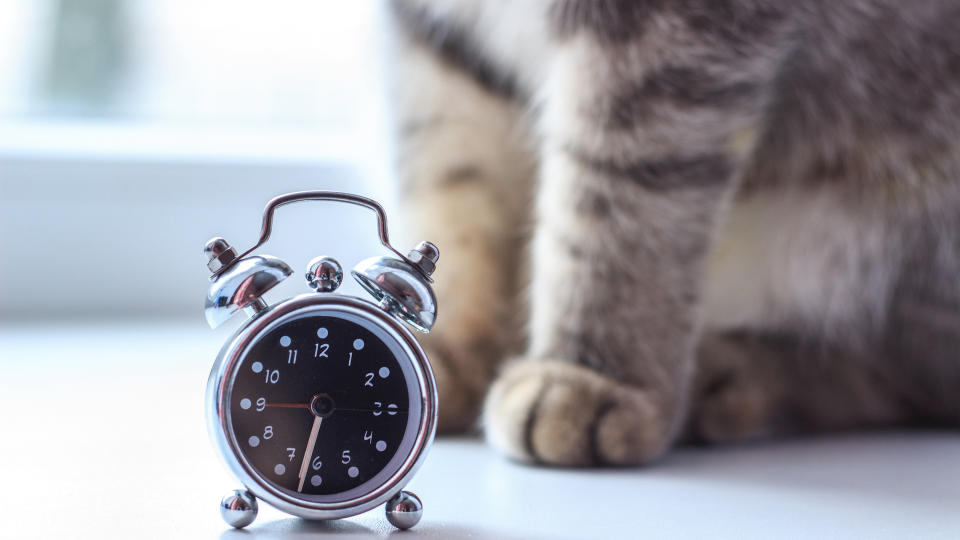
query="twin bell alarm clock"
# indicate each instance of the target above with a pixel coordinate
(322, 405)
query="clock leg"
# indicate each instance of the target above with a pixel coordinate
(404, 510)
(239, 508)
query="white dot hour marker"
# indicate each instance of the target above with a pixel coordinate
(358, 344)
(384, 372)
(245, 403)
(285, 341)
(280, 468)
(353, 472)
(322, 334)
(315, 480)
(257, 367)
(254, 441)
(381, 446)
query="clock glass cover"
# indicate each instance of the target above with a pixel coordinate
(324, 405)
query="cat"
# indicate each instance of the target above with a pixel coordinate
(669, 221)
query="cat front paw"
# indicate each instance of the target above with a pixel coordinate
(460, 387)
(562, 414)
(734, 413)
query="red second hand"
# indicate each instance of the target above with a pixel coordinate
(290, 405)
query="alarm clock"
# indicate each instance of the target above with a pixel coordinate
(322, 405)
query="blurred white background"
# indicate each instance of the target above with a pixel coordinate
(131, 131)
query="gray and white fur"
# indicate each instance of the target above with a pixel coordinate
(668, 220)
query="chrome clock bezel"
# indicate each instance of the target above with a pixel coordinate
(218, 408)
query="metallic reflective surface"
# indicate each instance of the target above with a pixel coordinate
(219, 254)
(404, 510)
(267, 226)
(324, 274)
(400, 289)
(424, 257)
(239, 508)
(218, 421)
(243, 285)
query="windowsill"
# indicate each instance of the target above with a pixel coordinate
(135, 141)
(129, 206)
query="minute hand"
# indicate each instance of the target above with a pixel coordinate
(311, 442)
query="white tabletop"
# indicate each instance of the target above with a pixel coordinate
(103, 436)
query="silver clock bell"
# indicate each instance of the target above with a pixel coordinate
(322, 405)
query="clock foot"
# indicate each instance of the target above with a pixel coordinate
(239, 508)
(404, 510)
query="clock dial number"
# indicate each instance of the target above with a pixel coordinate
(277, 419)
(392, 408)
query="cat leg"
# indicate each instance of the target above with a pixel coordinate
(646, 120)
(465, 169)
(752, 385)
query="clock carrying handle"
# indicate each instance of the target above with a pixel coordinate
(267, 227)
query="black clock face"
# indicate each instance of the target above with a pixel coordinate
(321, 404)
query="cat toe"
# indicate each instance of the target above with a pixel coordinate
(561, 414)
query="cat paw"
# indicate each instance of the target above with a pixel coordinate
(460, 391)
(733, 413)
(562, 414)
